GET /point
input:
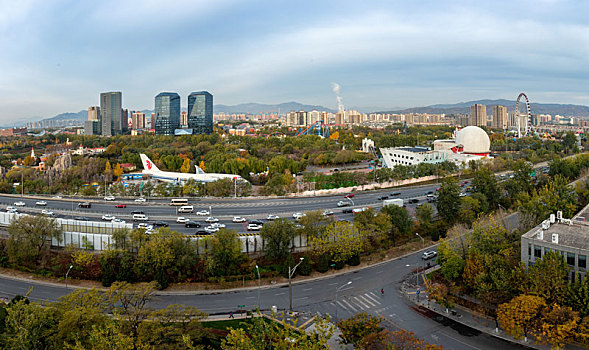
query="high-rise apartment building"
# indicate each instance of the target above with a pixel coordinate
(184, 119)
(111, 113)
(500, 117)
(167, 113)
(200, 112)
(478, 115)
(94, 113)
(138, 121)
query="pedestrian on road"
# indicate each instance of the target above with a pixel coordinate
(231, 315)
(382, 291)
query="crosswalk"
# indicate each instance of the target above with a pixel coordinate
(364, 302)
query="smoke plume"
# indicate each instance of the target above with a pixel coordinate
(340, 104)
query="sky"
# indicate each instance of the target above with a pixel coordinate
(57, 56)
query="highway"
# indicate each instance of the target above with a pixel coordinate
(224, 209)
(317, 296)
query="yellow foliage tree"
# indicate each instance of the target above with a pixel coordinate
(341, 240)
(521, 315)
(202, 165)
(558, 326)
(118, 171)
(334, 136)
(185, 168)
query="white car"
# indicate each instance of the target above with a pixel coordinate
(343, 204)
(203, 212)
(328, 212)
(118, 221)
(211, 219)
(11, 209)
(140, 200)
(298, 216)
(41, 203)
(145, 226)
(254, 227)
(181, 220)
(272, 217)
(109, 198)
(108, 217)
(429, 255)
(19, 204)
(238, 219)
(211, 229)
(47, 212)
(218, 225)
(58, 197)
(462, 194)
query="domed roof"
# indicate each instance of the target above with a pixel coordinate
(474, 140)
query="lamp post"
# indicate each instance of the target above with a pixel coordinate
(66, 274)
(290, 274)
(416, 274)
(422, 248)
(336, 291)
(259, 286)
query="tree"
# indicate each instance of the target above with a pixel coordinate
(226, 252)
(448, 201)
(29, 237)
(375, 227)
(569, 141)
(484, 182)
(173, 323)
(401, 222)
(548, 277)
(29, 326)
(129, 302)
(80, 311)
(556, 195)
(558, 326)
(314, 223)
(356, 328)
(118, 171)
(425, 214)
(521, 315)
(185, 168)
(278, 236)
(340, 240)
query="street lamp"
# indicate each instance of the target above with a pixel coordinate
(422, 248)
(66, 274)
(259, 286)
(336, 291)
(290, 273)
(416, 274)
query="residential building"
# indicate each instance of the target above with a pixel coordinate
(478, 115)
(499, 117)
(184, 119)
(200, 112)
(167, 113)
(565, 236)
(111, 113)
(94, 113)
(138, 121)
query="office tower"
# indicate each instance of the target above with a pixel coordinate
(478, 115)
(499, 117)
(167, 113)
(184, 119)
(138, 121)
(200, 112)
(125, 121)
(94, 113)
(111, 113)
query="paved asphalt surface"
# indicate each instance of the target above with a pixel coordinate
(223, 209)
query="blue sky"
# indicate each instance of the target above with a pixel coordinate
(57, 56)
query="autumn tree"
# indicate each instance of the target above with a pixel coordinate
(548, 277)
(130, 303)
(185, 168)
(521, 315)
(29, 237)
(29, 326)
(448, 200)
(278, 236)
(340, 240)
(118, 171)
(401, 222)
(558, 326)
(375, 227)
(357, 327)
(425, 214)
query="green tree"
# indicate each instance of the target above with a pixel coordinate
(356, 328)
(448, 201)
(548, 278)
(29, 238)
(484, 182)
(29, 326)
(278, 236)
(401, 222)
(425, 214)
(225, 252)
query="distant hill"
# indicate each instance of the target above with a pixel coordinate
(81, 115)
(464, 108)
(264, 108)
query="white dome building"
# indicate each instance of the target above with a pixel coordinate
(474, 140)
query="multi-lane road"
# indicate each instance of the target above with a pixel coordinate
(223, 209)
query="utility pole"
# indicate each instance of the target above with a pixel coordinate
(259, 287)
(290, 274)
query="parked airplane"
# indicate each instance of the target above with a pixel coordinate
(152, 170)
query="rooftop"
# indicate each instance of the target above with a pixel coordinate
(573, 233)
(416, 149)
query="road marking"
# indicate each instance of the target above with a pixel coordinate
(460, 341)
(381, 271)
(333, 284)
(373, 298)
(306, 290)
(250, 297)
(358, 301)
(350, 305)
(301, 298)
(279, 293)
(356, 278)
(368, 301)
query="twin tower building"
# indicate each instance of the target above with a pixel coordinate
(110, 119)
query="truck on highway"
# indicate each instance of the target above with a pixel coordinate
(395, 201)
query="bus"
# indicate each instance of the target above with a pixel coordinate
(179, 201)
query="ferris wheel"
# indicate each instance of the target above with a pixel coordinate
(528, 127)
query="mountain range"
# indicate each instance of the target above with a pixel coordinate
(456, 108)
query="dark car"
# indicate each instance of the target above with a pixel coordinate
(430, 192)
(159, 223)
(201, 232)
(256, 222)
(348, 211)
(84, 205)
(190, 223)
(382, 198)
(396, 194)
(137, 212)
(81, 218)
(414, 200)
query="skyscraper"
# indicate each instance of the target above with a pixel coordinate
(200, 112)
(167, 113)
(111, 113)
(478, 115)
(94, 113)
(500, 117)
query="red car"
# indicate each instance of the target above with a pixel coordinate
(121, 206)
(349, 195)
